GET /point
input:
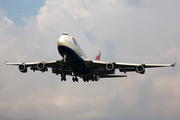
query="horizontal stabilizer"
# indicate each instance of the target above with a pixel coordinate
(110, 76)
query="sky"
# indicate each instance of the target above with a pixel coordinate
(20, 10)
(132, 31)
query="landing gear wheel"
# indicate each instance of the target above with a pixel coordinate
(86, 79)
(63, 77)
(75, 79)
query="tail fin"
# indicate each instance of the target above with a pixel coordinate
(98, 55)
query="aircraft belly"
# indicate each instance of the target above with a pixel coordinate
(73, 61)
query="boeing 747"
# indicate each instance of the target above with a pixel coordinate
(76, 64)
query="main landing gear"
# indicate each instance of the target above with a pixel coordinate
(75, 79)
(63, 77)
(85, 79)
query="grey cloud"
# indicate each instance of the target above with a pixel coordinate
(145, 33)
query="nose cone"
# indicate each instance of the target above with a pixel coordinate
(62, 41)
(61, 44)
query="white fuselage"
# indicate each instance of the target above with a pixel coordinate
(66, 40)
(72, 54)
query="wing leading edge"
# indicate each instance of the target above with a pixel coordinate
(123, 67)
(98, 68)
(58, 66)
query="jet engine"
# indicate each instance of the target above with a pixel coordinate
(23, 68)
(140, 69)
(110, 68)
(42, 67)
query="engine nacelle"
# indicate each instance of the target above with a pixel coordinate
(110, 68)
(140, 69)
(23, 68)
(42, 67)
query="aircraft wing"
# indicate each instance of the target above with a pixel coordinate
(102, 66)
(57, 66)
(47, 63)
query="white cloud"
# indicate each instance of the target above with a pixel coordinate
(140, 32)
(172, 53)
(5, 23)
(165, 90)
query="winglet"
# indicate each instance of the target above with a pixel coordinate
(173, 64)
(98, 55)
(5, 62)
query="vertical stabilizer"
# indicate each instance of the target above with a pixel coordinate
(98, 55)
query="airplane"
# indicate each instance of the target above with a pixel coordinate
(75, 63)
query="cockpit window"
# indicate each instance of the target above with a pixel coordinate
(65, 34)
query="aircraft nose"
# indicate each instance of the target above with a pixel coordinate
(61, 41)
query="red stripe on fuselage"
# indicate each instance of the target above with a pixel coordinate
(75, 41)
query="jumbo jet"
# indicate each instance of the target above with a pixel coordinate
(76, 64)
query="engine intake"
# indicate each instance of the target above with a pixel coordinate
(110, 68)
(140, 69)
(42, 67)
(23, 68)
